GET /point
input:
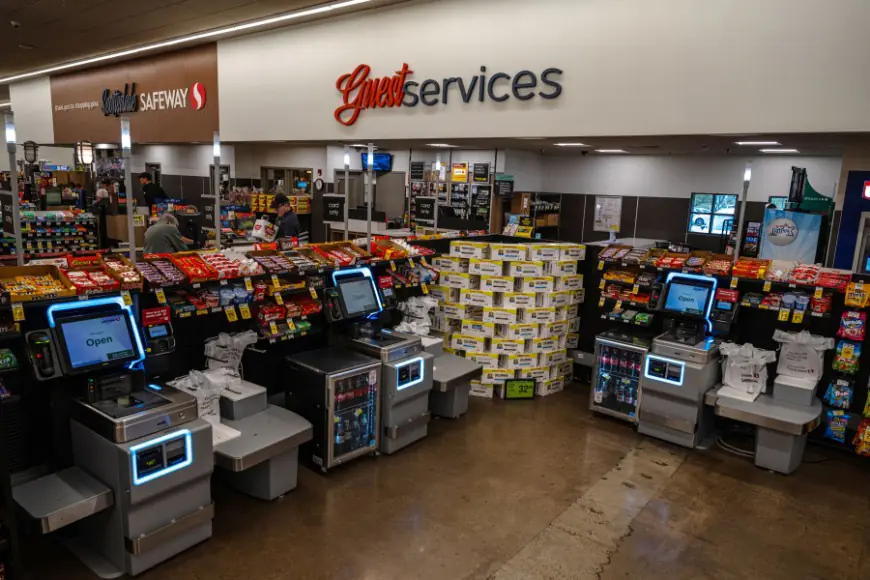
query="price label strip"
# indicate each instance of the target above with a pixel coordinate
(18, 312)
(600, 265)
(797, 317)
(232, 315)
(249, 286)
(734, 282)
(767, 286)
(784, 314)
(128, 300)
(290, 325)
(392, 265)
(161, 295)
(313, 292)
(819, 293)
(275, 282)
(602, 284)
(245, 311)
(636, 289)
(279, 299)
(273, 328)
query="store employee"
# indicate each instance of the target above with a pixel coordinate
(288, 222)
(150, 190)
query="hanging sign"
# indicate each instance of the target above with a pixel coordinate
(333, 208)
(425, 208)
(418, 171)
(459, 173)
(480, 172)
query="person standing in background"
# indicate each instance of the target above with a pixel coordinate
(164, 238)
(150, 190)
(288, 222)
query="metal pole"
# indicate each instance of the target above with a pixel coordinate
(747, 177)
(437, 188)
(346, 192)
(12, 148)
(216, 146)
(370, 164)
(126, 151)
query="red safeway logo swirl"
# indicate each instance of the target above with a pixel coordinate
(197, 96)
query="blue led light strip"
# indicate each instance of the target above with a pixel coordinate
(188, 453)
(680, 364)
(419, 359)
(700, 278)
(95, 302)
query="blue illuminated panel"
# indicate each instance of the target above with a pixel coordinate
(664, 370)
(167, 454)
(409, 373)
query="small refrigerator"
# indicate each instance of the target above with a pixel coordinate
(337, 390)
(619, 363)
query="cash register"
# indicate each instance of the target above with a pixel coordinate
(682, 365)
(139, 489)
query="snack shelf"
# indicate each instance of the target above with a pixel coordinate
(640, 305)
(618, 318)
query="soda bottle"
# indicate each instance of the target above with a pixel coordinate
(620, 392)
(364, 426)
(339, 438)
(603, 359)
(623, 363)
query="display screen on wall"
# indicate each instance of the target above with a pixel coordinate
(712, 213)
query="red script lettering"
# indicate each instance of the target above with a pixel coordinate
(359, 92)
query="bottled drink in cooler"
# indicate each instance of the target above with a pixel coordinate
(604, 359)
(623, 363)
(620, 392)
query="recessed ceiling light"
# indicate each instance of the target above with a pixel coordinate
(191, 38)
(779, 150)
(571, 145)
(442, 145)
(757, 143)
(611, 151)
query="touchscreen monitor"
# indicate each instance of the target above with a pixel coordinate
(102, 340)
(358, 296)
(688, 298)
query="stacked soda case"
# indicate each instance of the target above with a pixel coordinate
(354, 418)
(616, 386)
(513, 308)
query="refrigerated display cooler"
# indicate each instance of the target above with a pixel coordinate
(619, 363)
(338, 391)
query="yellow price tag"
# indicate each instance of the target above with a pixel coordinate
(273, 327)
(734, 282)
(767, 286)
(425, 288)
(618, 305)
(161, 295)
(245, 311)
(797, 317)
(313, 292)
(249, 286)
(290, 325)
(17, 312)
(635, 289)
(275, 282)
(784, 313)
(600, 265)
(279, 299)
(128, 300)
(411, 262)
(425, 262)
(202, 312)
(602, 284)
(819, 292)
(232, 315)
(392, 266)
(601, 303)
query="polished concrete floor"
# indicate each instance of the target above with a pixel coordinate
(538, 490)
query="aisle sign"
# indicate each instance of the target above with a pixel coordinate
(480, 173)
(519, 389)
(333, 208)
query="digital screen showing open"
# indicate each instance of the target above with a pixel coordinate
(688, 299)
(358, 296)
(98, 340)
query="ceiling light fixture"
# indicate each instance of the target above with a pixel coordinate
(611, 151)
(779, 150)
(358, 145)
(191, 38)
(440, 145)
(757, 143)
(571, 145)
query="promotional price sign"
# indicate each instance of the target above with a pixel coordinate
(519, 389)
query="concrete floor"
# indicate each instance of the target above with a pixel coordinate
(538, 490)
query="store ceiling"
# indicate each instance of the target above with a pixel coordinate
(51, 32)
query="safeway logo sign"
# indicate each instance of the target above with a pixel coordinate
(193, 97)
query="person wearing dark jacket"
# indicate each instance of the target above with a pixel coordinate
(288, 222)
(150, 190)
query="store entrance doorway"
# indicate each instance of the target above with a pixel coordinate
(357, 190)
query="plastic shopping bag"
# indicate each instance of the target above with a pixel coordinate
(416, 311)
(744, 367)
(264, 230)
(801, 354)
(207, 394)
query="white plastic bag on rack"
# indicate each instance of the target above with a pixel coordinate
(416, 311)
(226, 350)
(264, 230)
(206, 392)
(801, 354)
(744, 369)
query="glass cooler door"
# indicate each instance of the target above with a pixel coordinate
(354, 416)
(616, 379)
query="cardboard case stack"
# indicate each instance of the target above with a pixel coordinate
(513, 308)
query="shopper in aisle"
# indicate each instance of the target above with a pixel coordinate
(288, 222)
(164, 238)
(150, 190)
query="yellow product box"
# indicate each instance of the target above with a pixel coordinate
(574, 282)
(565, 369)
(519, 300)
(572, 252)
(442, 324)
(537, 373)
(572, 311)
(550, 387)
(561, 313)
(451, 264)
(572, 339)
(562, 268)
(536, 284)
(496, 375)
(554, 329)
(553, 358)
(449, 350)
(459, 280)
(562, 298)
(544, 345)
(486, 267)
(500, 315)
(545, 252)
(479, 389)
(453, 310)
(508, 252)
(487, 360)
(474, 328)
(578, 296)
(443, 293)
(477, 298)
(497, 283)
(517, 331)
(507, 346)
(468, 343)
(467, 249)
(525, 268)
(574, 324)
(518, 361)
(546, 314)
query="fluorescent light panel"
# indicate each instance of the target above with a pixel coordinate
(571, 145)
(185, 39)
(611, 151)
(757, 143)
(779, 150)
(441, 145)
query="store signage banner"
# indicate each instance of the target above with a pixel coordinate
(170, 98)
(480, 172)
(459, 173)
(361, 91)
(425, 208)
(333, 208)
(504, 189)
(789, 235)
(6, 209)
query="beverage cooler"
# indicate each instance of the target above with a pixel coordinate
(619, 363)
(338, 391)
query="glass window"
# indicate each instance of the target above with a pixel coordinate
(712, 213)
(778, 201)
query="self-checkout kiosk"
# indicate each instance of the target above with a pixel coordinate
(683, 363)
(139, 488)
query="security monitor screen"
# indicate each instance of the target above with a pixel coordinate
(688, 299)
(358, 296)
(98, 340)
